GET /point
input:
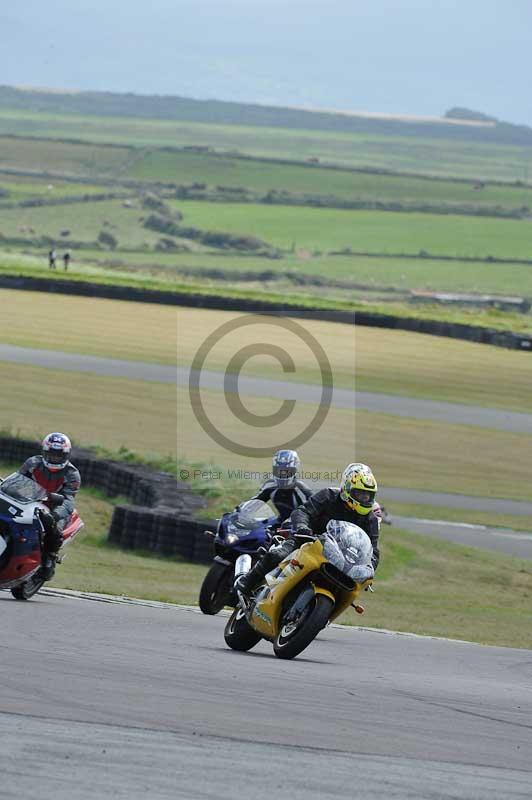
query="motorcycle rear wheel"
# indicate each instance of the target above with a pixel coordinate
(294, 637)
(216, 588)
(26, 590)
(238, 633)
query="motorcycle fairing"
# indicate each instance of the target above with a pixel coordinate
(75, 524)
(294, 570)
(249, 539)
(24, 556)
(9, 509)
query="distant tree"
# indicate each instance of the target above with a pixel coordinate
(466, 113)
(107, 239)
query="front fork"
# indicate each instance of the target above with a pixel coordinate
(242, 565)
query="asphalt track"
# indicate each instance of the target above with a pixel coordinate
(102, 700)
(454, 413)
(497, 540)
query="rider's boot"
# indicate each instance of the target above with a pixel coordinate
(48, 565)
(250, 580)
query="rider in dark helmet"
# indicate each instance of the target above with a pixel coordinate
(284, 490)
(353, 502)
(53, 471)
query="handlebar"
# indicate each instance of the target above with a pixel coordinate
(54, 499)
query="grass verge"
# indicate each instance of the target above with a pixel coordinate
(492, 318)
(434, 588)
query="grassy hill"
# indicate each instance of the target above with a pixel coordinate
(230, 113)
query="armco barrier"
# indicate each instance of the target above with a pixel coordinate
(472, 333)
(159, 516)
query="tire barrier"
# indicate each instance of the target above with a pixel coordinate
(472, 333)
(159, 515)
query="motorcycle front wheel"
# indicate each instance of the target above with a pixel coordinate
(296, 635)
(26, 590)
(238, 633)
(215, 591)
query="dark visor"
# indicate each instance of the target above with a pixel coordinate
(284, 472)
(363, 496)
(55, 456)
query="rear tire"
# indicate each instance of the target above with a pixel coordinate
(238, 633)
(294, 637)
(26, 590)
(216, 588)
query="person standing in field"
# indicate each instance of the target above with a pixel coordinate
(66, 260)
(51, 258)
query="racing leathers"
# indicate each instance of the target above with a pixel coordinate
(65, 481)
(326, 505)
(285, 500)
(310, 520)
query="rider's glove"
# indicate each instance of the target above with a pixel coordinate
(47, 516)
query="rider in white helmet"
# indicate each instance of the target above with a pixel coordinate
(55, 473)
(284, 490)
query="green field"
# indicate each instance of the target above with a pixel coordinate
(322, 261)
(84, 221)
(262, 177)
(314, 231)
(258, 176)
(70, 159)
(418, 155)
(22, 188)
(328, 229)
(368, 275)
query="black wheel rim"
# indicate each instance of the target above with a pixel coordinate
(290, 628)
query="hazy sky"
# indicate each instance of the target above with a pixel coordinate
(412, 56)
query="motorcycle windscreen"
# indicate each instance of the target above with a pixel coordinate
(22, 489)
(252, 514)
(349, 549)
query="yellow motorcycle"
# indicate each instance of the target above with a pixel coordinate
(310, 588)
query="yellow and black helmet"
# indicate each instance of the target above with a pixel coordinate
(358, 488)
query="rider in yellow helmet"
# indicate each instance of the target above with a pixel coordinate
(358, 488)
(352, 502)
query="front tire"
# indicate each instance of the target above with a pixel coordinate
(26, 590)
(215, 591)
(294, 637)
(238, 633)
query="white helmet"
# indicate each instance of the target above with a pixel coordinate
(285, 466)
(56, 449)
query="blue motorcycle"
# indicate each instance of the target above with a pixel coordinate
(239, 536)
